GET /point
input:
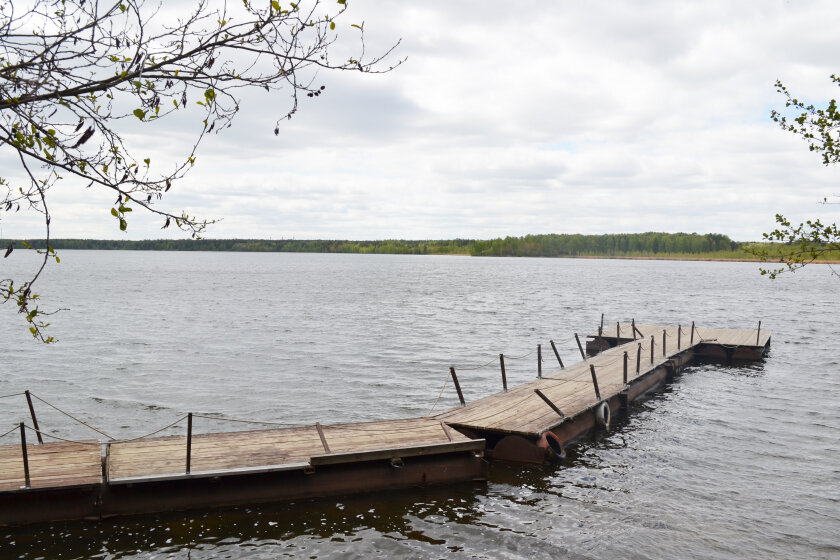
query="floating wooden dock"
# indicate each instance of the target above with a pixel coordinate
(529, 423)
(77, 481)
(535, 421)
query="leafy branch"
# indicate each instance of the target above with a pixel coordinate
(77, 76)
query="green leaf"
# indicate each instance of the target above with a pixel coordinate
(147, 161)
(57, 260)
(275, 5)
(140, 114)
(342, 1)
(114, 212)
(209, 94)
(332, 25)
(123, 224)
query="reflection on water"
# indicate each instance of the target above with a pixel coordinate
(728, 461)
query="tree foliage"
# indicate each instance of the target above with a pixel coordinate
(812, 239)
(78, 78)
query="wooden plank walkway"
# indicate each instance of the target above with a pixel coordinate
(521, 411)
(51, 465)
(273, 449)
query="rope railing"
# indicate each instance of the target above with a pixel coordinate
(12, 395)
(82, 422)
(112, 440)
(492, 360)
(36, 431)
(240, 420)
(520, 357)
(10, 431)
(445, 383)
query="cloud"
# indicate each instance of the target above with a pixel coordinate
(514, 119)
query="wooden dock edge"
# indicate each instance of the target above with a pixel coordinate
(523, 448)
(324, 476)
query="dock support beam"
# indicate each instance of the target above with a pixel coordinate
(549, 403)
(189, 441)
(320, 430)
(625, 368)
(539, 361)
(679, 337)
(35, 420)
(617, 334)
(691, 341)
(757, 334)
(638, 358)
(27, 481)
(457, 386)
(582, 354)
(664, 343)
(601, 328)
(553, 347)
(504, 377)
(595, 381)
(652, 344)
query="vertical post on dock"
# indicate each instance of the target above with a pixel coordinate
(664, 334)
(189, 440)
(679, 337)
(457, 386)
(758, 334)
(691, 341)
(617, 334)
(638, 358)
(595, 381)
(556, 353)
(652, 344)
(28, 483)
(583, 355)
(539, 361)
(625, 368)
(633, 326)
(35, 420)
(504, 377)
(601, 328)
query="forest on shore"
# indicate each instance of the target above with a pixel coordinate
(713, 246)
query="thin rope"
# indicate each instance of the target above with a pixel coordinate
(71, 416)
(112, 439)
(10, 431)
(284, 424)
(475, 368)
(12, 395)
(61, 438)
(518, 357)
(445, 383)
(178, 421)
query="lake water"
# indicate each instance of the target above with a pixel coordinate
(728, 461)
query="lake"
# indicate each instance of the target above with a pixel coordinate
(728, 461)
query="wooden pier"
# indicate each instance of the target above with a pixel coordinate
(531, 423)
(92, 480)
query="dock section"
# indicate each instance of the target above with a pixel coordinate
(537, 420)
(148, 475)
(532, 423)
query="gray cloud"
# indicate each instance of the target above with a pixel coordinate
(507, 120)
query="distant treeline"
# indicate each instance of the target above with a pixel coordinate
(652, 244)
(612, 245)
(389, 246)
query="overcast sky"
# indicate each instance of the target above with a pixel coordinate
(516, 118)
